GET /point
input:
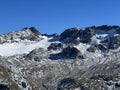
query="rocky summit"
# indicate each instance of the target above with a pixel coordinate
(77, 59)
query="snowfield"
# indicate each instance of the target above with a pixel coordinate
(24, 47)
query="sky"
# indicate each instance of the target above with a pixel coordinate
(54, 16)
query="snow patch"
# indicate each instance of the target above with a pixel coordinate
(103, 34)
(82, 47)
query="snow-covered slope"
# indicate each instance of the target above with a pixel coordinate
(23, 47)
(77, 59)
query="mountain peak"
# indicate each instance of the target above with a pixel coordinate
(25, 34)
(32, 29)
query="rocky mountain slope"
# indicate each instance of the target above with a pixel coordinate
(77, 59)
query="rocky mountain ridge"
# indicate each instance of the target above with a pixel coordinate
(77, 59)
(25, 34)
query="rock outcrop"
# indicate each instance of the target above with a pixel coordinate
(68, 53)
(55, 46)
(36, 55)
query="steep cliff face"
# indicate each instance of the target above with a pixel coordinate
(77, 59)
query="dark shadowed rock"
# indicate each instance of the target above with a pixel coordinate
(69, 33)
(77, 35)
(51, 35)
(68, 53)
(68, 84)
(102, 77)
(92, 48)
(101, 47)
(112, 42)
(106, 27)
(117, 85)
(24, 85)
(34, 30)
(118, 31)
(55, 46)
(71, 52)
(36, 55)
(85, 35)
(4, 87)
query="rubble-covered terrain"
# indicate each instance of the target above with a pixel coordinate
(77, 59)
